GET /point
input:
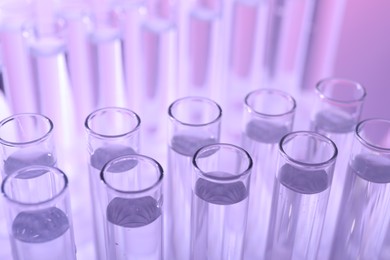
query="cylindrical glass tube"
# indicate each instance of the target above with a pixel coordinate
(337, 108)
(111, 132)
(132, 208)
(76, 15)
(44, 37)
(304, 175)
(26, 139)
(106, 54)
(16, 71)
(194, 122)
(364, 218)
(201, 52)
(39, 216)
(268, 116)
(220, 201)
(288, 39)
(150, 44)
(246, 22)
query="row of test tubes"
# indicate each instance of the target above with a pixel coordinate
(189, 155)
(148, 53)
(280, 193)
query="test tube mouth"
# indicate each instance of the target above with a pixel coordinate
(315, 140)
(98, 125)
(210, 150)
(16, 123)
(374, 133)
(127, 164)
(339, 90)
(270, 95)
(178, 108)
(30, 174)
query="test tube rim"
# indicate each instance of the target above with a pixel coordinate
(283, 94)
(216, 119)
(152, 187)
(359, 86)
(43, 203)
(237, 177)
(366, 143)
(325, 163)
(105, 136)
(45, 136)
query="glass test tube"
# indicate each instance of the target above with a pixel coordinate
(268, 116)
(194, 122)
(288, 40)
(44, 37)
(151, 55)
(220, 184)
(245, 22)
(106, 54)
(16, 71)
(362, 223)
(304, 175)
(337, 108)
(133, 208)
(26, 139)
(76, 15)
(201, 49)
(111, 132)
(39, 216)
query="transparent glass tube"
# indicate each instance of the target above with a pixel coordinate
(111, 132)
(268, 116)
(39, 215)
(246, 22)
(49, 66)
(106, 54)
(132, 208)
(304, 175)
(194, 122)
(362, 223)
(201, 52)
(151, 56)
(16, 71)
(220, 187)
(288, 40)
(336, 111)
(78, 21)
(26, 139)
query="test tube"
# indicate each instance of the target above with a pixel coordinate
(364, 218)
(39, 216)
(133, 208)
(288, 39)
(220, 185)
(201, 52)
(111, 132)
(15, 58)
(44, 36)
(246, 22)
(26, 139)
(194, 122)
(268, 116)
(106, 54)
(336, 111)
(150, 56)
(77, 16)
(304, 174)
